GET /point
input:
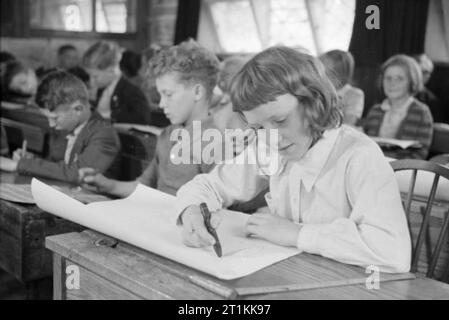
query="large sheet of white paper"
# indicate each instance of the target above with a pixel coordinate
(147, 218)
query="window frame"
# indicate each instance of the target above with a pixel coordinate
(141, 10)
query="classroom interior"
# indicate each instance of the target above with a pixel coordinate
(362, 49)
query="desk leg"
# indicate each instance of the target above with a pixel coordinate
(58, 277)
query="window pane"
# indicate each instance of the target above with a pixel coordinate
(236, 26)
(290, 24)
(117, 16)
(68, 15)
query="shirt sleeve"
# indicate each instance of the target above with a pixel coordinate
(376, 232)
(226, 184)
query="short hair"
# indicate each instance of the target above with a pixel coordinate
(281, 70)
(130, 63)
(102, 55)
(412, 70)
(190, 61)
(67, 47)
(339, 66)
(61, 88)
(229, 69)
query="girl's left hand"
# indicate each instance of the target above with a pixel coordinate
(273, 228)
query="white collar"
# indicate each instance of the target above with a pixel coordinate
(310, 166)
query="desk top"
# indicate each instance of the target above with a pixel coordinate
(312, 277)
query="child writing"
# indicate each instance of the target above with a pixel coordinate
(334, 193)
(186, 75)
(90, 141)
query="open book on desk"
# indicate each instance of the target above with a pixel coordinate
(139, 127)
(147, 219)
(391, 143)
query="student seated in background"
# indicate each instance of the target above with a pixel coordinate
(91, 141)
(400, 115)
(333, 194)
(130, 65)
(19, 83)
(68, 57)
(117, 99)
(425, 95)
(186, 75)
(340, 69)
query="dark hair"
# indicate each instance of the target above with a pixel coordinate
(130, 63)
(281, 70)
(61, 88)
(6, 56)
(66, 47)
(80, 73)
(339, 67)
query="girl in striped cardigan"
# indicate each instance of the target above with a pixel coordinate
(400, 115)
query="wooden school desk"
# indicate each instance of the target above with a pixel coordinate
(109, 269)
(23, 229)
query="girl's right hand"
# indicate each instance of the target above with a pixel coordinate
(194, 232)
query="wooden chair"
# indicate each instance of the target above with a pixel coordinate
(440, 141)
(438, 171)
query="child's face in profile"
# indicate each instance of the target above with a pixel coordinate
(177, 99)
(285, 115)
(66, 117)
(102, 78)
(396, 83)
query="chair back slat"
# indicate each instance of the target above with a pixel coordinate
(424, 225)
(438, 171)
(411, 189)
(438, 247)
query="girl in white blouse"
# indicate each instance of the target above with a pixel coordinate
(334, 193)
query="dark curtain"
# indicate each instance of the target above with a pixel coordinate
(402, 30)
(187, 20)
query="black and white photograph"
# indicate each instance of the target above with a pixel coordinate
(256, 152)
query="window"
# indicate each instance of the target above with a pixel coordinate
(111, 16)
(252, 25)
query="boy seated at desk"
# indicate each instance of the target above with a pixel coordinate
(117, 98)
(186, 75)
(91, 140)
(333, 193)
